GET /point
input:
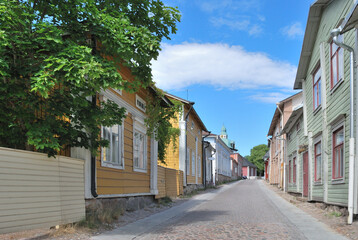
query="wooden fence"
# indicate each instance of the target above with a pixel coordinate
(170, 182)
(37, 191)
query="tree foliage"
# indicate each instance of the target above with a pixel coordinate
(257, 154)
(55, 55)
(159, 123)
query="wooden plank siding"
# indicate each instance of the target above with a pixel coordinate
(37, 191)
(170, 182)
(336, 100)
(124, 181)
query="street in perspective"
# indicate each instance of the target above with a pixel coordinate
(261, 214)
(172, 119)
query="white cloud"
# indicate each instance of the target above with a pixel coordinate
(235, 25)
(294, 30)
(233, 5)
(270, 97)
(255, 30)
(219, 65)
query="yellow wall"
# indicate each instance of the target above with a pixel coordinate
(170, 182)
(125, 181)
(172, 157)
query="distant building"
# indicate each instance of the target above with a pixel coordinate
(224, 136)
(249, 169)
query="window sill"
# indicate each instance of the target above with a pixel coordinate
(139, 170)
(318, 183)
(111, 165)
(338, 181)
(336, 86)
(317, 110)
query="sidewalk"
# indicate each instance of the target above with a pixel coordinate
(316, 210)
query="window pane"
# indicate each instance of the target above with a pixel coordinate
(339, 137)
(318, 167)
(318, 148)
(334, 48)
(334, 70)
(341, 64)
(317, 75)
(336, 163)
(106, 150)
(341, 162)
(115, 144)
(193, 163)
(319, 93)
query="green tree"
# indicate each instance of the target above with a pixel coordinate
(55, 55)
(256, 156)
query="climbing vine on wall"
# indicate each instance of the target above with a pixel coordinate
(160, 123)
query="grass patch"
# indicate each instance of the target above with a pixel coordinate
(335, 214)
(165, 201)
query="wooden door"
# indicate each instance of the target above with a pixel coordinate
(305, 174)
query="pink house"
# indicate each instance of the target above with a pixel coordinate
(237, 158)
(249, 169)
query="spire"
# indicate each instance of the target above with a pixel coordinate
(223, 132)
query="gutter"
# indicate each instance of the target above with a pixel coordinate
(351, 191)
(93, 161)
(186, 137)
(202, 153)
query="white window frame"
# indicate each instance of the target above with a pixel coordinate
(199, 166)
(138, 127)
(317, 140)
(188, 161)
(140, 100)
(338, 125)
(193, 163)
(111, 164)
(333, 85)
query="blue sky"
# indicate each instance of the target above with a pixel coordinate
(235, 59)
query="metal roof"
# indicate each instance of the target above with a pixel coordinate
(351, 21)
(313, 22)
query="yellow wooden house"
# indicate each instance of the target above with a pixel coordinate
(186, 157)
(128, 166)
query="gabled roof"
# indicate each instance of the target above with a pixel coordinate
(196, 115)
(313, 22)
(351, 20)
(277, 114)
(247, 163)
(296, 114)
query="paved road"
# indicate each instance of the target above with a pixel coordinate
(242, 210)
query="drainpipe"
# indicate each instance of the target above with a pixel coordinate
(186, 138)
(93, 160)
(334, 34)
(269, 177)
(204, 153)
(282, 152)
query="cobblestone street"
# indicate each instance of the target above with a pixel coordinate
(242, 210)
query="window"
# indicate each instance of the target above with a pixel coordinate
(294, 169)
(338, 154)
(318, 161)
(199, 166)
(140, 103)
(290, 171)
(188, 161)
(193, 163)
(317, 88)
(192, 125)
(298, 126)
(112, 156)
(139, 150)
(336, 63)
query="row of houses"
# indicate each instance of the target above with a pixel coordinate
(37, 191)
(312, 136)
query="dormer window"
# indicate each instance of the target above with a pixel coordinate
(140, 103)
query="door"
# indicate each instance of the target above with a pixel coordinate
(305, 174)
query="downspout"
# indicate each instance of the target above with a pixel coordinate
(282, 152)
(186, 138)
(204, 162)
(93, 160)
(269, 139)
(334, 34)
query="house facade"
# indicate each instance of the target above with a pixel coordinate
(297, 171)
(278, 165)
(240, 160)
(325, 74)
(127, 168)
(187, 156)
(208, 154)
(249, 169)
(221, 165)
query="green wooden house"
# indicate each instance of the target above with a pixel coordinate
(324, 76)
